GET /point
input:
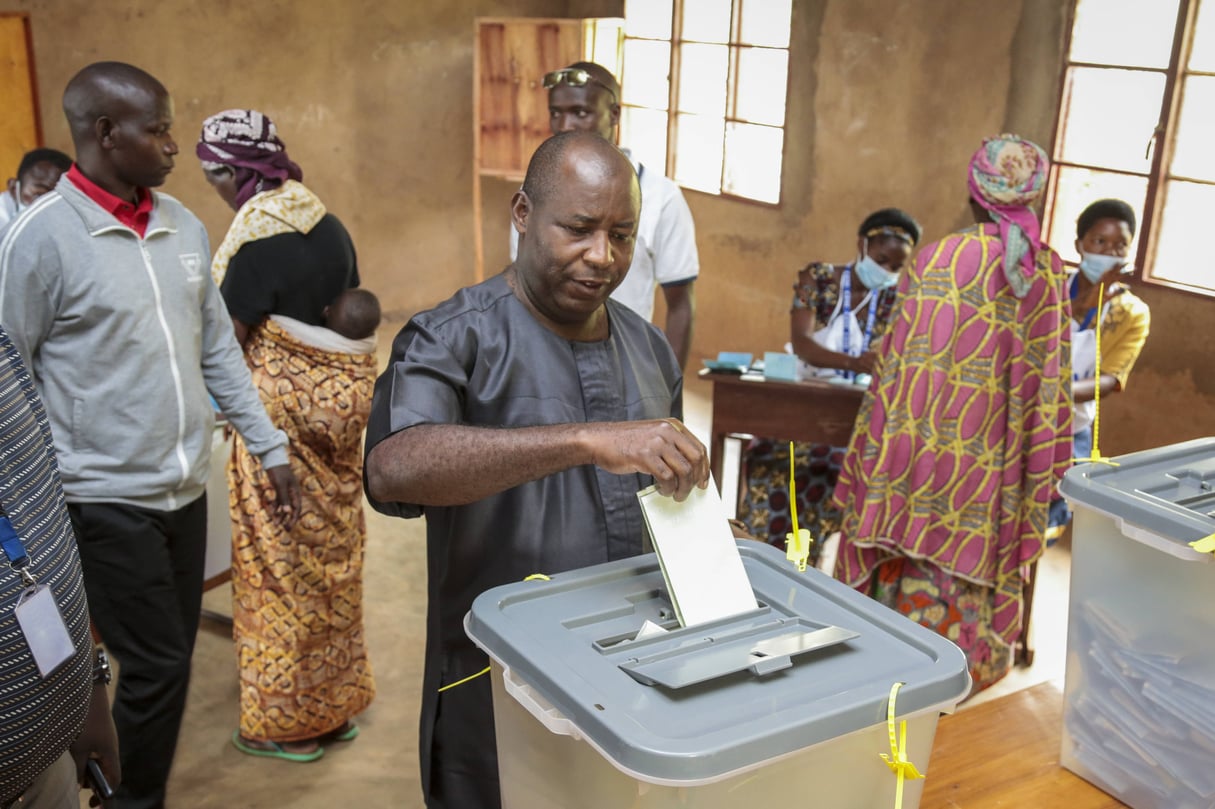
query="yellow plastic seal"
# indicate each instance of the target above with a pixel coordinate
(1204, 545)
(897, 761)
(1095, 456)
(797, 543)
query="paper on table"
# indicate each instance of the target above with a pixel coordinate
(698, 555)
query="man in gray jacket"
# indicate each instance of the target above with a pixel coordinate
(104, 289)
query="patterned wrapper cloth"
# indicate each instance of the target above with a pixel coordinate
(298, 595)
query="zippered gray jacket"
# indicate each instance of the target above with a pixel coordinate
(125, 337)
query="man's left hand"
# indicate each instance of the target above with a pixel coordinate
(287, 494)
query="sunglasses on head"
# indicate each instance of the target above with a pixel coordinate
(574, 77)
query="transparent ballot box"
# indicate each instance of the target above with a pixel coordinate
(1139, 700)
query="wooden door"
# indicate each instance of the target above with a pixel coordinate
(20, 128)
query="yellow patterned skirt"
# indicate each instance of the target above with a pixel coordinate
(298, 596)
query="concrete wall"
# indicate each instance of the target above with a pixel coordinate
(887, 100)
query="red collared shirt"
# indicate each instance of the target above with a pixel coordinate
(133, 216)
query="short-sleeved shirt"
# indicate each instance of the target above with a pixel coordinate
(1124, 330)
(818, 289)
(292, 274)
(482, 359)
(665, 253)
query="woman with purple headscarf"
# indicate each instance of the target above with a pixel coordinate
(964, 432)
(297, 595)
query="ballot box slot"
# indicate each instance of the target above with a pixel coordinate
(1191, 487)
(624, 618)
(701, 654)
(671, 624)
(635, 639)
(1190, 493)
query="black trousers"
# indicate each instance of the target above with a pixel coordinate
(143, 571)
(458, 751)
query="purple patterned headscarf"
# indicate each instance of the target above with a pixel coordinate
(247, 141)
(1005, 176)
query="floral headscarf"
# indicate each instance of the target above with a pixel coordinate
(1005, 176)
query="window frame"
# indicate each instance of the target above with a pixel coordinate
(730, 95)
(1162, 142)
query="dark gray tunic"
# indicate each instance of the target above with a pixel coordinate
(482, 359)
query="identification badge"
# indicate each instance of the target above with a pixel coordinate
(44, 629)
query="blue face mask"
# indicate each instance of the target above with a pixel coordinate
(874, 275)
(1096, 265)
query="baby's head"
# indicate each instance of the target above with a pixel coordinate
(355, 314)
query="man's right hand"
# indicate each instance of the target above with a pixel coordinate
(662, 448)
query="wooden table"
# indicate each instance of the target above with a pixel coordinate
(1005, 753)
(749, 405)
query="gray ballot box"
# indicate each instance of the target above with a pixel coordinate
(1139, 700)
(787, 701)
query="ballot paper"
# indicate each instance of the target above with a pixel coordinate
(698, 555)
(1142, 709)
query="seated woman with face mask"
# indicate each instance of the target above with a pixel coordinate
(840, 310)
(838, 317)
(1104, 231)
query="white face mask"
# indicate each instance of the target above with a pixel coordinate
(874, 275)
(1095, 265)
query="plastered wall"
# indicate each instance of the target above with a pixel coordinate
(1170, 397)
(887, 100)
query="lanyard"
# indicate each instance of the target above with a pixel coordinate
(1088, 318)
(14, 549)
(846, 304)
(11, 544)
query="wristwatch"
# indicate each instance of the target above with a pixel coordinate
(101, 667)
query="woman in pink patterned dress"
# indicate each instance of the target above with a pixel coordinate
(965, 430)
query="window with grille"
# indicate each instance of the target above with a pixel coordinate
(1137, 122)
(703, 88)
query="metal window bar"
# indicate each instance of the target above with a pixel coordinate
(735, 45)
(1162, 141)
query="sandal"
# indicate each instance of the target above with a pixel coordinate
(346, 733)
(275, 750)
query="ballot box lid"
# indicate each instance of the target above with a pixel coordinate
(814, 662)
(1162, 497)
